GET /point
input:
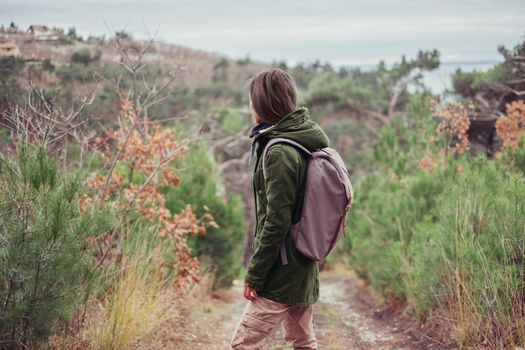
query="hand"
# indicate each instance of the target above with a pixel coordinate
(249, 292)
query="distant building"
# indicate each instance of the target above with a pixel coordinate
(42, 33)
(9, 49)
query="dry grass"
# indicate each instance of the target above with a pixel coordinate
(138, 302)
(180, 329)
(486, 300)
(142, 312)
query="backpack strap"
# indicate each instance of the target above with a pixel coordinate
(282, 250)
(280, 140)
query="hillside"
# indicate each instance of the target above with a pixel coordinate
(200, 64)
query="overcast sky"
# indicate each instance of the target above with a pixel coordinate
(344, 32)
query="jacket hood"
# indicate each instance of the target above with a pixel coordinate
(296, 126)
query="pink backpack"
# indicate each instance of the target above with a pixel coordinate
(327, 198)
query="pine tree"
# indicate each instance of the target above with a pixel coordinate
(44, 258)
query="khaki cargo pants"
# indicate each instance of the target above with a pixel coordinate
(261, 318)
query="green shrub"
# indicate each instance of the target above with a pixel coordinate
(219, 247)
(452, 240)
(74, 74)
(515, 158)
(381, 225)
(10, 89)
(216, 92)
(330, 88)
(44, 257)
(470, 256)
(85, 57)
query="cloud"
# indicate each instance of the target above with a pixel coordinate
(335, 30)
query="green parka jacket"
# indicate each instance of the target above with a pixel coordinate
(278, 201)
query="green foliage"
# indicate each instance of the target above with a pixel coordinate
(303, 73)
(44, 257)
(244, 61)
(355, 153)
(394, 198)
(47, 65)
(233, 121)
(10, 89)
(85, 57)
(411, 68)
(398, 146)
(220, 71)
(451, 240)
(74, 74)
(10, 66)
(381, 225)
(72, 34)
(410, 236)
(474, 243)
(4, 136)
(123, 35)
(497, 83)
(342, 92)
(467, 83)
(207, 95)
(219, 247)
(225, 121)
(363, 92)
(515, 157)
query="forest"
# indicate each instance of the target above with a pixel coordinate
(126, 212)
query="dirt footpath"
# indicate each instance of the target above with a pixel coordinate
(345, 318)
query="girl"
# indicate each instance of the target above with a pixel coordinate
(279, 292)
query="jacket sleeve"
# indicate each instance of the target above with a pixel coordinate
(282, 166)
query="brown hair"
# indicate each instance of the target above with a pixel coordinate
(273, 94)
